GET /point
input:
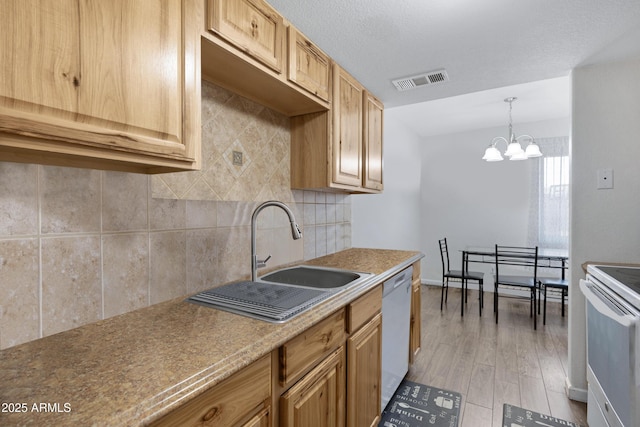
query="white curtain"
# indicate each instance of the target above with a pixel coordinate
(549, 209)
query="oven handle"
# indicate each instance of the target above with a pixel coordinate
(626, 320)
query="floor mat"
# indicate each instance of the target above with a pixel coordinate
(415, 405)
(513, 416)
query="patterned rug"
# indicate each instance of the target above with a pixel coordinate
(513, 416)
(415, 405)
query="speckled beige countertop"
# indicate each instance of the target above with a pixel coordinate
(133, 368)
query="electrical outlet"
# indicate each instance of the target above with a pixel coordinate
(605, 179)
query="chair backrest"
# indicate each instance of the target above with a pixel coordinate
(517, 255)
(444, 255)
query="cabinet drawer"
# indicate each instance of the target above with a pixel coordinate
(309, 67)
(232, 401)
(364, 308)
(303, 351)
(252, 26)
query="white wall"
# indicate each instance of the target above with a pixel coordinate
(472, 202)
(605, 224)
(391, 220)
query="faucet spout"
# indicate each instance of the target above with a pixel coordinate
(296, 233)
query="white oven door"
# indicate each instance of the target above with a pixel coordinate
(611, 355)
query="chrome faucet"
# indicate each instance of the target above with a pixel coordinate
(295, 233)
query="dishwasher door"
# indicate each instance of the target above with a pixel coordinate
(396, 317)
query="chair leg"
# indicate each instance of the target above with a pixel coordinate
(442, 294)
(481, 291)
(539, 290)
(495, 303)
(544, 316)
(535, 314)
(446, 294)
(462, 300)
(563, 294)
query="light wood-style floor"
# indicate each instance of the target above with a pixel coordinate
(493, 364)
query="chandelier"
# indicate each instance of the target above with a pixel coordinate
(514, 150)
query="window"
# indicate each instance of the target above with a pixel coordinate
(549, 215)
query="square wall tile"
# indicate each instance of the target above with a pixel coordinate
(125, 272)
(71, 286)
(203, 269)
(168, 255)
(70, 200)
(124, 201)
(19, 199)
(19, 292)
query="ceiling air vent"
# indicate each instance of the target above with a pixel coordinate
(430, 78)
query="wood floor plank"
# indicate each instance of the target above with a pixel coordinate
(533, 395)
(504, 392)
(476, 416)
(459, 354)
(481, 385)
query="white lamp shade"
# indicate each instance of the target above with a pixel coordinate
(533, 150)
(513, 149)
(519, 156)
(492, 154)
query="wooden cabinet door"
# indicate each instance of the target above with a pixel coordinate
(372, 128)
(347, 125)
(309, 67)
(318, 398)
(364, 370)
(98, 79)
(262, 419)
(252, 26)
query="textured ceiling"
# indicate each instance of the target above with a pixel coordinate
(483, 45)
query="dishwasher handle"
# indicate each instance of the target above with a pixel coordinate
(402, 278)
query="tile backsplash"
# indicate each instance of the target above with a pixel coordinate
(245, 153)
(80, 245)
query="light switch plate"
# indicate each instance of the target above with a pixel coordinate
(605, 179)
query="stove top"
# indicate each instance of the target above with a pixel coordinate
(625, 281)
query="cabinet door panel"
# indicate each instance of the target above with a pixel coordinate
(318, 398)
(364, 369)
(100, 79)
(372, 142)
(251, 25)
(309, 67)
(347, 116)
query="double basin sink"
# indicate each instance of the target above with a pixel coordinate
(281, 295)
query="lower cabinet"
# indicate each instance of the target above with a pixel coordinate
(331, 374)
(242, 399)
(364, 352)
(318, 398)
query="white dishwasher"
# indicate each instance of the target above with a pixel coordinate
(396, 317)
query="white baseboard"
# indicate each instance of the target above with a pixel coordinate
(575, 393)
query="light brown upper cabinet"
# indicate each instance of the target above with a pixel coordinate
(347, 129)
(101, 84)
(251, 25)
(339, 150)
(372, 138)
(309, 67)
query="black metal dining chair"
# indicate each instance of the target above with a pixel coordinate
(517, 256)
(464, 275)
(554, 283)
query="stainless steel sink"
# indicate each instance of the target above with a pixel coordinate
(315, 277)
(281, 295)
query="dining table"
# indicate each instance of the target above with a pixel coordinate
(547, 258)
